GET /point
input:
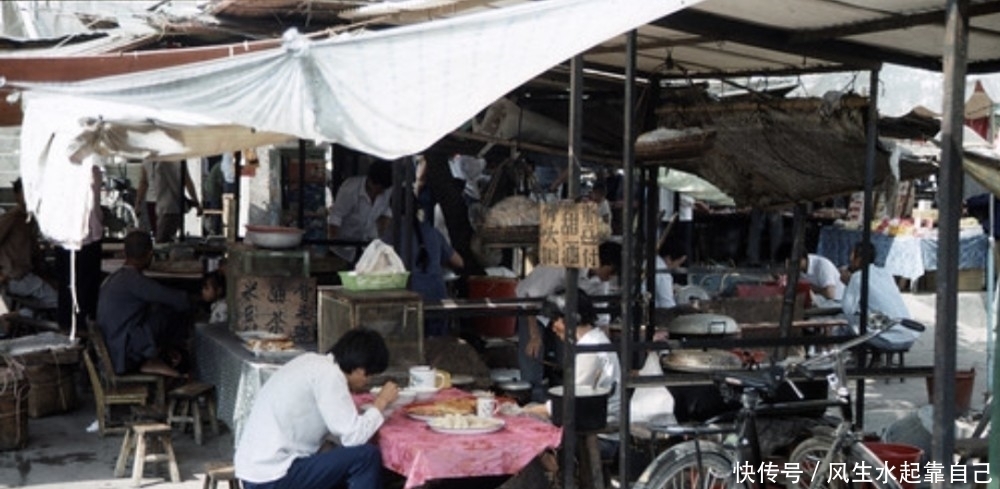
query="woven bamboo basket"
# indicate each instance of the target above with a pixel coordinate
(510, 234)
(688, 146)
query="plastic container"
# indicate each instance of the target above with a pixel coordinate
(372, 281)
(494, 288)
(895, 455)
(965, 381)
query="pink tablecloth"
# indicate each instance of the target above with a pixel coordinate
(412, 449)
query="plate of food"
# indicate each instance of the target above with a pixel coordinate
(465, 424)
(263, 342)
(426, 411)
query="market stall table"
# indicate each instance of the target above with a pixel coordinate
(909, 257)
(221, 359)
(409, 447)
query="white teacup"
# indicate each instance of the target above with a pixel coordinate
(423, 376)
(486, 406)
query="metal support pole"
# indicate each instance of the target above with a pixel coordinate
(572, 277)
(871, 135)
(950, 208)
(791, 287)
(628, 163)
(300, 218)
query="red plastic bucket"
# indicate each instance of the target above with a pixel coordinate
(904, 460)
(494, 288)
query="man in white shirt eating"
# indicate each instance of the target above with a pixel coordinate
(306, 399)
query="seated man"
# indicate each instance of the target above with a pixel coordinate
(822, 276)
(600, 370)
(542, 282)
(304, 401)
(144, 323)
(18, 246)
(883, 297)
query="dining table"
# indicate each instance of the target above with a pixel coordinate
(411, 448)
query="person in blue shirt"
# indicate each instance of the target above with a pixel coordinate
(429, 254)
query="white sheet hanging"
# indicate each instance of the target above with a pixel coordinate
(389, 93)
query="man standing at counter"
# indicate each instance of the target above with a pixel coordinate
(305, 400)
(143, 322)
(360, 211)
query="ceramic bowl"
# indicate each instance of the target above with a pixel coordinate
(274, 237)
(423, 393)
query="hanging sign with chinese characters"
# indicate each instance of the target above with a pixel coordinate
(280, 305)
(569, 234)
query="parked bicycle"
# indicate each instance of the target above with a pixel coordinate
(835, 458)
(119, 215)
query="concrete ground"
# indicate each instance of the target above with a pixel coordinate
(62, 454)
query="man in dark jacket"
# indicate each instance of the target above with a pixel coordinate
(143, 322)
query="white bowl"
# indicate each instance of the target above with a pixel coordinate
(406, 396)
(274, 237)
(423, 393)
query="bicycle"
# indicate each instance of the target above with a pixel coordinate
(702, 463)
(119, 215)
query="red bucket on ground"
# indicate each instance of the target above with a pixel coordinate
(494, 288)
(904, 460)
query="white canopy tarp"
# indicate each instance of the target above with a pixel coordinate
(697, 187)
(388, 93)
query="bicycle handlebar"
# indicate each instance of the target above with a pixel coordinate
(770, 379)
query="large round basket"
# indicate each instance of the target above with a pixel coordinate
(510, 234)
(676, 148)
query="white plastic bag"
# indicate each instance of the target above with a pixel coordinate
(379, 258)
(650, 401)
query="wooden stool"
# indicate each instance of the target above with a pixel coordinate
(185, 407)
(137, 439)
(216, 472)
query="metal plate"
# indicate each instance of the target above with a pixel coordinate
(702, 360)
(703, 325)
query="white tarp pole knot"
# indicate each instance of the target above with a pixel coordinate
(295, 43)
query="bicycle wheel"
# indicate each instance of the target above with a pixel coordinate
(677, 468)
(808, 456)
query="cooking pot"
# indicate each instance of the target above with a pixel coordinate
(591, 407)
(703, 325)
(520, 391)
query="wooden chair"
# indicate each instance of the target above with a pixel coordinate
(157, 382)
(107, 395)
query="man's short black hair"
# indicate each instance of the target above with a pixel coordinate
(865, 252)
(138, 244)
(610, 253)
(217, 279)
(361, 348)
(17, 186)
(380, 172)
(555, 308)
(673, 248)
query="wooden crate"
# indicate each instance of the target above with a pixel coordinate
(51, 376)
(53, 389)
(13, 410)
(398, 315)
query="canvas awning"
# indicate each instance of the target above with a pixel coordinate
(389, 93)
